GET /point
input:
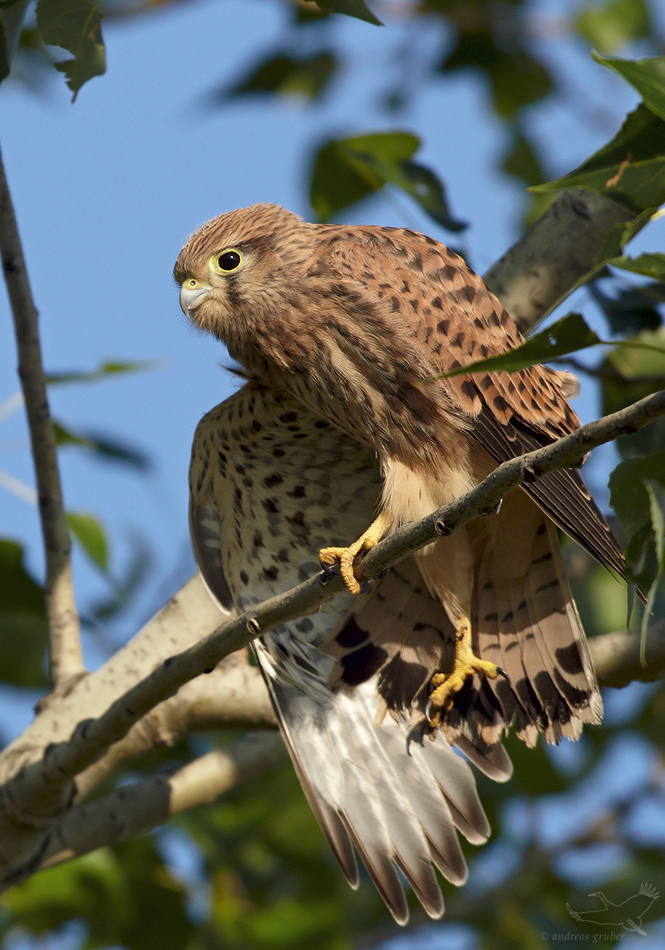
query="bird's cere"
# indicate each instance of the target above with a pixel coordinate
(192, 295)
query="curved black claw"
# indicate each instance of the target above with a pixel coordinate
(503, 673)
(416, 733)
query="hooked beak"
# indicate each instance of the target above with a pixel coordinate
(192, 294)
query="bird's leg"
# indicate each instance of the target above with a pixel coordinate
(465, 665)
(346, 556)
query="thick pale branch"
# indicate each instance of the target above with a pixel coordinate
(616, 656)
(144, 805)
(232, 696)
(558, 249)
(38, 785)
(65, 641)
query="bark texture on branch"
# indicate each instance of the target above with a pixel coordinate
(64, 634)
(555, 252)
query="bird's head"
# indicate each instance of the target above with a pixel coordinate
(237, 267)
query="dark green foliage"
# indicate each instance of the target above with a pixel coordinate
(305, 77)
(346, 170)
(74, 25)
(23, 629)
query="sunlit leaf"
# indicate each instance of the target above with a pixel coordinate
(110, 368)
(609, 26)
(651, 265)
(567, 335)
(91, 536)
(645, 75)
(630, 168)
(74, 25)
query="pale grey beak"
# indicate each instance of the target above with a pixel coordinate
(192, 295)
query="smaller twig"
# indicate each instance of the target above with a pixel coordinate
(64, 633)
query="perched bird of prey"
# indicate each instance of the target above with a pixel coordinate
(344, 431)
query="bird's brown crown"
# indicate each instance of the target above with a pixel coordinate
(260, 226)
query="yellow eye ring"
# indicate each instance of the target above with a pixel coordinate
(228, 261)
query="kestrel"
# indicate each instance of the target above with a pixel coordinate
(343, 333)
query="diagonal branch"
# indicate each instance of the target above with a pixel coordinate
(146, 804)
(38, 786)
(65, 641)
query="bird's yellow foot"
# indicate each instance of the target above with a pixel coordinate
(346, 556)
(446, 685)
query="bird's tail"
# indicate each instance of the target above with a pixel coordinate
(573, 913)
(399, 804)
(525, 621)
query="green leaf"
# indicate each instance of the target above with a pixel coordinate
(354, 8)
(566, 335)
(89, 533)
(111, 368)
(611, 25)
(516, 78)
(23, 625)
(521, 160)
(106, 448)
(645, 75)
(630, 168)
(347, 170)
(305, 77)
(651, 265)
(632, 309)
(12, 13)
(629, 374)
(628, 495)
(657, 510)
(74, 25)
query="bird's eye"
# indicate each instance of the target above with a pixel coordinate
(229, 260)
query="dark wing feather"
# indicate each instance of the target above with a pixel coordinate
(562, 495)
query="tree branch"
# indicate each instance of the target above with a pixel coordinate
(616, 656)
(41, 787)
(144, 805)
(64, 634)
(558, 249)
(232, 696)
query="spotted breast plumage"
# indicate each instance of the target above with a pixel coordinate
(344, 333)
